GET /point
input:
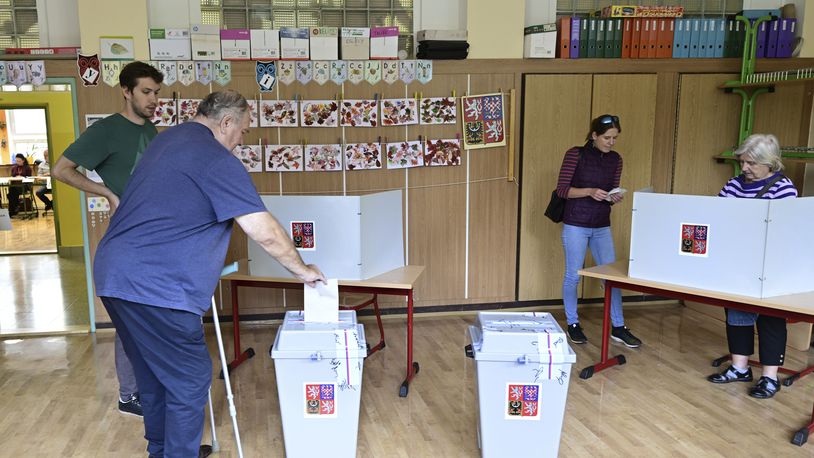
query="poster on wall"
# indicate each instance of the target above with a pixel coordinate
(403, 155)
(363, 156)
(442, 152)
(483, 121)
(359, 113)
(278, 113)
(117, 48)
(251, 156)
(92, 118)
(284, 158)
(438, 110)
(373, 71)
(166, 113)
(223, 72)
(187, 109)
(319, 113)
(110, 72)
(203, 72)
(323, 158)
(399, 112)
(89, 69)
(252, 112)
(286, 72)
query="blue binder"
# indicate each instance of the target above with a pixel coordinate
(720, 36)
(695, 37)
(677, 35)
(685, 38)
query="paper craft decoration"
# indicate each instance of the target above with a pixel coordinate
(203, 71)
(399, 112)
(322, 72)
(438, 110)
(390, 71)
(305, 71)
(319, 113)
(522, 401)
(251, 156)
(323, 158)
(223, 72)
(252, 112)
(19, 76)
(304, 238)
(694, 240)
(320, 400)
(284, 158)
(423, 72)
(404, 155)
(88, 66)
(442, 152)
(187, 109)
(266, 75)
(407, 71)
(166, 113)
(339, 71)
(110, 72)
(186, 72)
(3, 72)
(483, 121)
(356, 71)
(35, 72)
(373, 71)
(119, 48)
(359, 113)
(363, 156)
(286, 72)
(278, 113)
(170, 72)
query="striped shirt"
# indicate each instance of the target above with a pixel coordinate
(738, 187)
(569, 166)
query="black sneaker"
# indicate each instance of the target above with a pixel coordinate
(622, 334)
(731, 375)
(131, 405)
(575, 334)
(764, 388)
(204, 451)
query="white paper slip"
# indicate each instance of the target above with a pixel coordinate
(322, 302)
(615, 191)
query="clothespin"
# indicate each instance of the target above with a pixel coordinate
(302, 142)
(421, 138)
(339, 141)
(458, 136)
(376, 97)
(342, 93)
(210, 87)
(453, 94)
(385, 139)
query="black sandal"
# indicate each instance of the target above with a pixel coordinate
(731, 375)
(765, 388)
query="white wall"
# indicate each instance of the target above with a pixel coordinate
(439, 15)
(540, 12)
(173, 14)
(59, 23)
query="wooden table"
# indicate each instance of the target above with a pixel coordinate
(397, 282)
(26, 184)
(794, 307)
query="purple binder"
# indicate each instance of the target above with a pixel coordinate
(760, 42)
(785, 40)
(771, 42)
(575, 38)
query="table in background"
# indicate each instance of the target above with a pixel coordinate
(397, 282)
(797, 307)
(27, 184)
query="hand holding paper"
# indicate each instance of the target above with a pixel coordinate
(620, 191)
(322, 302)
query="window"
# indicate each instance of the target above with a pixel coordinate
(273, 14)
(18, 24)
(691, 7)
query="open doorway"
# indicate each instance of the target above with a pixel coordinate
(25, 182)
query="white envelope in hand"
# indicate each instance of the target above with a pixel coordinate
(322, 302)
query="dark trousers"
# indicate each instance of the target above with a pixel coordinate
(173, 371)
(771, 333)
(14, 193)
(41, 194)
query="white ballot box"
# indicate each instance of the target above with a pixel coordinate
(523, 365)
(347, 237)
(748, 247)
(319, 384)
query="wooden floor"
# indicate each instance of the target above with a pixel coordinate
(58, 394)
(30, 235)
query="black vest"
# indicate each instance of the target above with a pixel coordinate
(594, 170)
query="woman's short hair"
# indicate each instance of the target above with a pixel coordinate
(219, 104)
(602, 124)
(763, 149)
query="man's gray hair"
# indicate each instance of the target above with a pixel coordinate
(219, 104)
(763, 149)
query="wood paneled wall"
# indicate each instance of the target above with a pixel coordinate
(674, 120)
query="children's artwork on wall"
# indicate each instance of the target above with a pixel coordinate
(284, 158)
(438, 110)
(483, 121)
(187, 109)
(323, 158)
(305, 71)
(203, 71)
(399, 112)
(319, 113)
(278, 113)
(88, 65)
(390, 71)
(223, 72)
(404, 155)
(186, 72)
(166, 113)
(363, 156)
(359, 113)
(3, 73)
(286, 72)
(373, 71)
(356, 71)
(119, 48)
(407, 71)
(322, 72)
(339, 71)
(251, 156)
(423, 72)
(253, 112)
(443, 152)
(110, 72)
(170, 72)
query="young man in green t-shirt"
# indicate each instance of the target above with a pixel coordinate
(113, 146)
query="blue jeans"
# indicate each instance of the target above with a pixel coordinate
(576, 240)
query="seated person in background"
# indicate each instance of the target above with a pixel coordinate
(19, 169)
(759, 158)
(44, 170)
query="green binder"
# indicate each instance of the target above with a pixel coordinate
(592, 37)
(600, 37)
(617, 37)
(583, 38)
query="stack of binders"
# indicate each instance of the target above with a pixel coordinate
(442, 44)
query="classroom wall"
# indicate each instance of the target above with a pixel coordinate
(58, 23)
(113, 18)
(173, 14)
(60, 116)
(495, 34)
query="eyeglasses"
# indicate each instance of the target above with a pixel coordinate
(609, 119)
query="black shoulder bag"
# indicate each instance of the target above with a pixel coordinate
(555, 211)
(765, 188)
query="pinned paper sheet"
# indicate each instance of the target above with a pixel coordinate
(322, 302)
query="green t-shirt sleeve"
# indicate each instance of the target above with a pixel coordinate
(90, 149)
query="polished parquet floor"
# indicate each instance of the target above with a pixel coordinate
(35, 235)
(58, 394)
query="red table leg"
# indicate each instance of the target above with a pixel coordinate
(412, 367)
(249, 353)
(801, 436)
(604, 362)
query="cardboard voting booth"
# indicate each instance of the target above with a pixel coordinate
(348, 237)
(748, 247)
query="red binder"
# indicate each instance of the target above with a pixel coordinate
(654, 38)
(635, 38)
(564, 50)
(665, 39)
(626, 36)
